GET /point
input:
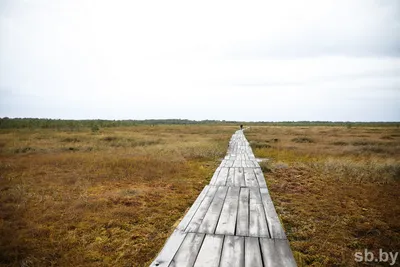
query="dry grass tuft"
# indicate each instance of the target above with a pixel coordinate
(302, 140)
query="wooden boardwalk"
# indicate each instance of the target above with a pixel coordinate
(233, 221)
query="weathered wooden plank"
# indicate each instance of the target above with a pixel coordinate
(222, 176)
(233, 252)
(265, 197)
(229, 163)
(234, 147)
(253, 253)
(202, 210)
(211, 218)
(210, 252)
(237, 163)
(276, 252)
(275, 227)
(222, 165)
(242, 226)
(249, 164)
(250, 177)
(187, 253)
(227, 221)
(189, 215)
(258, 226)
(239, 177)
(230, 181)
(260, 177)
(244, 164)
(172, 245)
(214, 178)
(254, 163)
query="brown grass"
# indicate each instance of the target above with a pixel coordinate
(336, 189)
(100, 199)
(110, 198)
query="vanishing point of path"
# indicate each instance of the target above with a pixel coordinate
(233, 221)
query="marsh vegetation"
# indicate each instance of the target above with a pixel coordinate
(336, 189)
(110, 197)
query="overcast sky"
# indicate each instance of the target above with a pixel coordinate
(225, 60)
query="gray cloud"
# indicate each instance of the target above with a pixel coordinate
(120, 59)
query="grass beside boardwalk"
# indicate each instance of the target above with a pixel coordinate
(96, 196)
(100, 197)
(336, 189)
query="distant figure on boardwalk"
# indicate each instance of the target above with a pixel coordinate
(241, 126)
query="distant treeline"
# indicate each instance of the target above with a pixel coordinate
(31, 123)
(7, 123)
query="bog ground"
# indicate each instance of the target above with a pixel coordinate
(110, 197)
